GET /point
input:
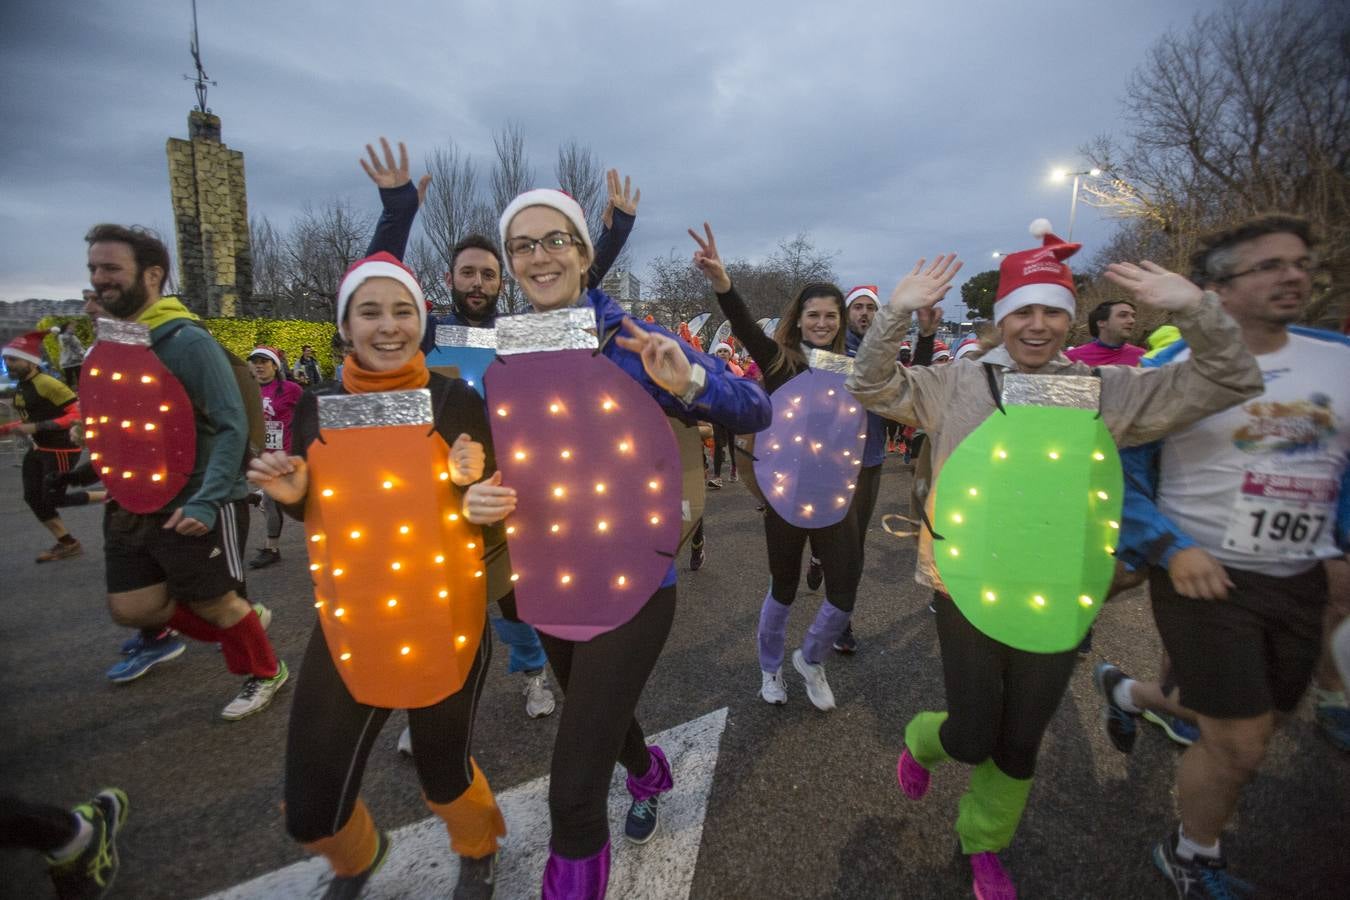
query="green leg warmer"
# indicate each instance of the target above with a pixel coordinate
(990, 809)
(921, 737)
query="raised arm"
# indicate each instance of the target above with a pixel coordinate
(882, 385)
(399, 199)
(762, 348)
(1145, 404)
(618, 218)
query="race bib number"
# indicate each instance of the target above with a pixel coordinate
(275, 439)
(1283, 515)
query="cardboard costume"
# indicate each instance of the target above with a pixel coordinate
(463, 352)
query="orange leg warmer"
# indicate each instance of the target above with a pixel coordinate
(473, 819)
(353, 848)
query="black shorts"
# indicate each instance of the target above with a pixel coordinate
(1249, 654)
(139, 552)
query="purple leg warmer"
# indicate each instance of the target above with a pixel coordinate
(576, 879)
(773, 618)
(829, 624)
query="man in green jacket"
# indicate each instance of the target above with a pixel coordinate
(180, 565)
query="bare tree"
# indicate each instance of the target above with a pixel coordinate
(1247, 111)
(512, 176)
(269, 259)
(675, 291)
(452, 207)
(324, 241)
(580, 175)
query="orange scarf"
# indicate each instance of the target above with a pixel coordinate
(411, 375)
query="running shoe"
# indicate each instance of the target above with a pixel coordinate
(60, 550)
(714, 484)
(817, 688)
(349, 887)
(772, 688)
(990, 880)
(90, 873)
(256, 694)
(265, 558)
(264, 615)
(477, 878)
(136, 642)
(815, 574)
(1334, 723)
(405, 742)
(735, 476)
(641, 822)
(1200, 878)
(1178, 729)
(151, 654)
(846, 643)
(539, 700)
(698, 555)
(1121, 727)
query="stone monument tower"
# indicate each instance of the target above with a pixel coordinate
(210, 207)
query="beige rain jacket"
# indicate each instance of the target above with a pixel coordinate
(1138, 405)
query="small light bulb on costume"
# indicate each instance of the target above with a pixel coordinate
(1114, 524)
(607, 405)
(396, 566)
(94, 455)
(990, 596)
(146, 379)
(315, 538)
(1101, 495)
(461, 639)
(327, 492)
(808, 508)
(559, 492)
(515, 577)
(1085, 600)
(840, 501)
(973, 492)
(440, 559)
(774, 447)
(954, 552)
(105, 470)
(318, 604)
(126, 424)
(653, 485)
(1053, 454)
(472, 546)
(555, 528)
(830, 392)
(624, 446)
(778, 490)
(355, 535)
(510, 529)
(853, 409)
(1002, 454)
(406, 650)
(443, 594)
(478, 574)
(103, 420)
(314, 567)
(339, 612)
(445, 476)
(848, 453)
(164, 407)
(94, 372)
(345, 656)
(452, 517)
(126, 474)
(501, 411)
(956, 517)
(520, 454)
(117, 376)
(599, 487)
(156, 477)
(393, 601)
(797, 439)
(788, 414)
(404, 529)
(338, 572)
(1099, 456)
(1038, 600)
(566, 579)
(387, 485)
(602, 525)
(655, 520)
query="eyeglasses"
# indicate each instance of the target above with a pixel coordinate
(1305, 265)
(554, 243)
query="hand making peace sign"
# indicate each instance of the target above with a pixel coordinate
(708, 262)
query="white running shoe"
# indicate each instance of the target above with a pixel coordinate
(405, 742)
(264, 615)
(256, 694)
(772, 688)
(817, 688)
(539, 700)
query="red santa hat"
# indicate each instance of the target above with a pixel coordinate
(553, 199)
(720, 345)
(862, 290)
(27, 347)
(273, 354)
(1037, 276)
(379, 265)
(969, 345)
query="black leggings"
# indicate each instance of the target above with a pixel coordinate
(999, 700)
(272, 510)
(37, 465)
(837, 547)
(330, 737)
(35, 826)
(864, 503)
(602, 679)
(723, 441)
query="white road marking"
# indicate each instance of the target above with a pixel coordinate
(420, 863)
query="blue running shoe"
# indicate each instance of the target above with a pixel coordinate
(151, 654)
(1178, 729)
(1201, 878)
(641, 822)
(1334, 723)
(136, 642)
(1120, 725)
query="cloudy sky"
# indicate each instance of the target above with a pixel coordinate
(886, 130)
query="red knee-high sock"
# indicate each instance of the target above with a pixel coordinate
(194, 626)
(246, 644)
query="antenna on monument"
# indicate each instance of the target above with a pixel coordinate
(200, 80)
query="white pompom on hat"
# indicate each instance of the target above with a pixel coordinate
(553, 199)
(379, 265)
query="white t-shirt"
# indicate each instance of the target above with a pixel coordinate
(1256, 485)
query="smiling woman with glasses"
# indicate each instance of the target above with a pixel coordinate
(555, 243)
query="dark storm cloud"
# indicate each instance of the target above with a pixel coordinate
(884, 130)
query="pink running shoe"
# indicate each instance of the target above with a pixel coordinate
(991, 881)
(914, 778)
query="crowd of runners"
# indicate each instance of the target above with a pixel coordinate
(1229, 436)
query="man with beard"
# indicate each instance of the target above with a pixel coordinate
(181, 566)
(47, 410)
(475, 282)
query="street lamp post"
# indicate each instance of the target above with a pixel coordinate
(1060, 175)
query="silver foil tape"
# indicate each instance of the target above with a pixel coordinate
(829, 362)
(115, 331)
(464, 336)
(1073, 391)
(561, 329)
(372, 410)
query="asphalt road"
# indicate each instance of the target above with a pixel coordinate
(803, 804)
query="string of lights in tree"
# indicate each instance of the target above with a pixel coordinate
(1028, 509)
(596, 470)
(463, 352)
(398, 573)
(138, 420)
(806, 462)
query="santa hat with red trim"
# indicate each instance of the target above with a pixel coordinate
(862, 290)
(27, 347)
(379, 265)
(553, 199)
(720, 345)
(1037, 276)
(271, 353)
(969, 345)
